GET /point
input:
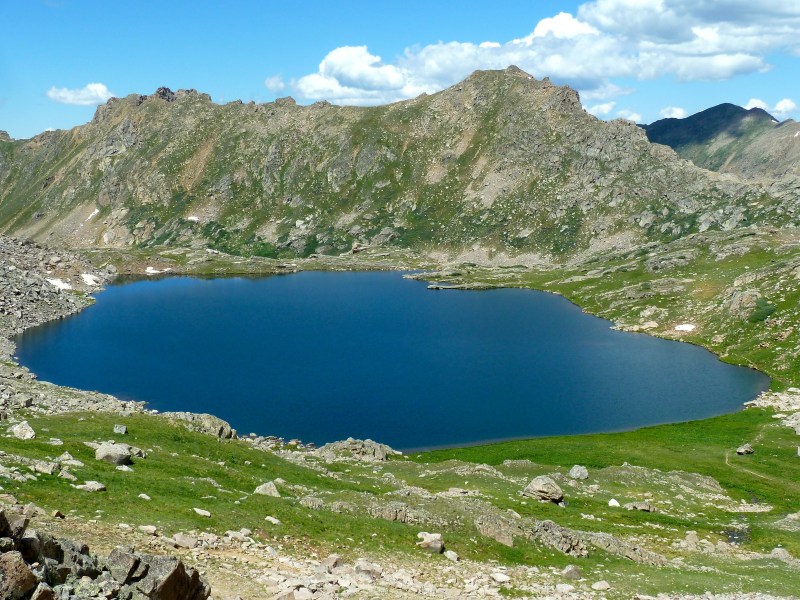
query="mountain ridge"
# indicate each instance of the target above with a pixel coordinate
(501, 163)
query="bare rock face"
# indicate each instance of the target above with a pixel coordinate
(544, 489)
(432, 542)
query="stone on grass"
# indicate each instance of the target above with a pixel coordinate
(578, 472)
(572, 572)
(432, 542)
(202, 512)
(148, 529)
(116, 454)
(601, 586)
(450, 555)
(121, 429)
(22, 431)
(272, 520)
(144, 496)
(268, 489)
(613, 503)
(745, 449)
(544, 489)
(642, 506)
(91, 486)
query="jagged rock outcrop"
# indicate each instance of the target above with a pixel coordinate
(203, 423)
(36, 565)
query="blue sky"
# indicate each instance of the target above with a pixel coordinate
(638, 59)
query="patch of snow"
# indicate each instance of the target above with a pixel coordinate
(60, 284)
(797, 133)
(193, 218)
(151, 271)
(89, 279)
(685, 327)
(95, 212)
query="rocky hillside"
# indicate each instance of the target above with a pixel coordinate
(730, 139)
(501, 162)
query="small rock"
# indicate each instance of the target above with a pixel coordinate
(367, 569)
(432, 542)
(183, 540)
(202, 512)
(22, 431)
(500, 577)
(572, 572)
(124, 468)
(781, 554)
(272, 520)
(333, 561)
(578, 472)
(91, 486)
(148, 529)
(450, 555)
(613, 503)
(601, 586)
(745, 449)
(121, 429)
(643, 506)
(144, 497)
(564, 588)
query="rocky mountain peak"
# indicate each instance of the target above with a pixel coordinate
(4, 137)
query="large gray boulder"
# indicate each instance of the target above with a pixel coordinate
(578, 472)
(116, 454)
(268, 489)
(544, 489)
(22, 431)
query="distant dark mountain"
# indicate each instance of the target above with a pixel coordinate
(730, 139)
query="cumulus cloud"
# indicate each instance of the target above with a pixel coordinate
(89, 95)
(603, 42)
(783, 109)
(275, 84)
(756, 103)
(672, 112)
(601, 110)
(629, 115)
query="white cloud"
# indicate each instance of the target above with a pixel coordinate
(563, 26)
(275, 84)
(89, 95)
(591, 50)
(672, 112)
(629, 115)
(756, 103)
(600, 110)
(784, 108)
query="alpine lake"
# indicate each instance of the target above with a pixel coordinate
(322, 356)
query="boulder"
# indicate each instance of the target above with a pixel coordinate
(578, 472)
(203, 423)
(121, 429)
(22, 431)
(642, 506)
(572, 572)
(16, 577)
(116, 454)
(432, 542)
(363, 450)
(544, 489)
(367, 569)
(744, 449)
(91, 486)
(268, 489)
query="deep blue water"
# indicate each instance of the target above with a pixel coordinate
(323, 356)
